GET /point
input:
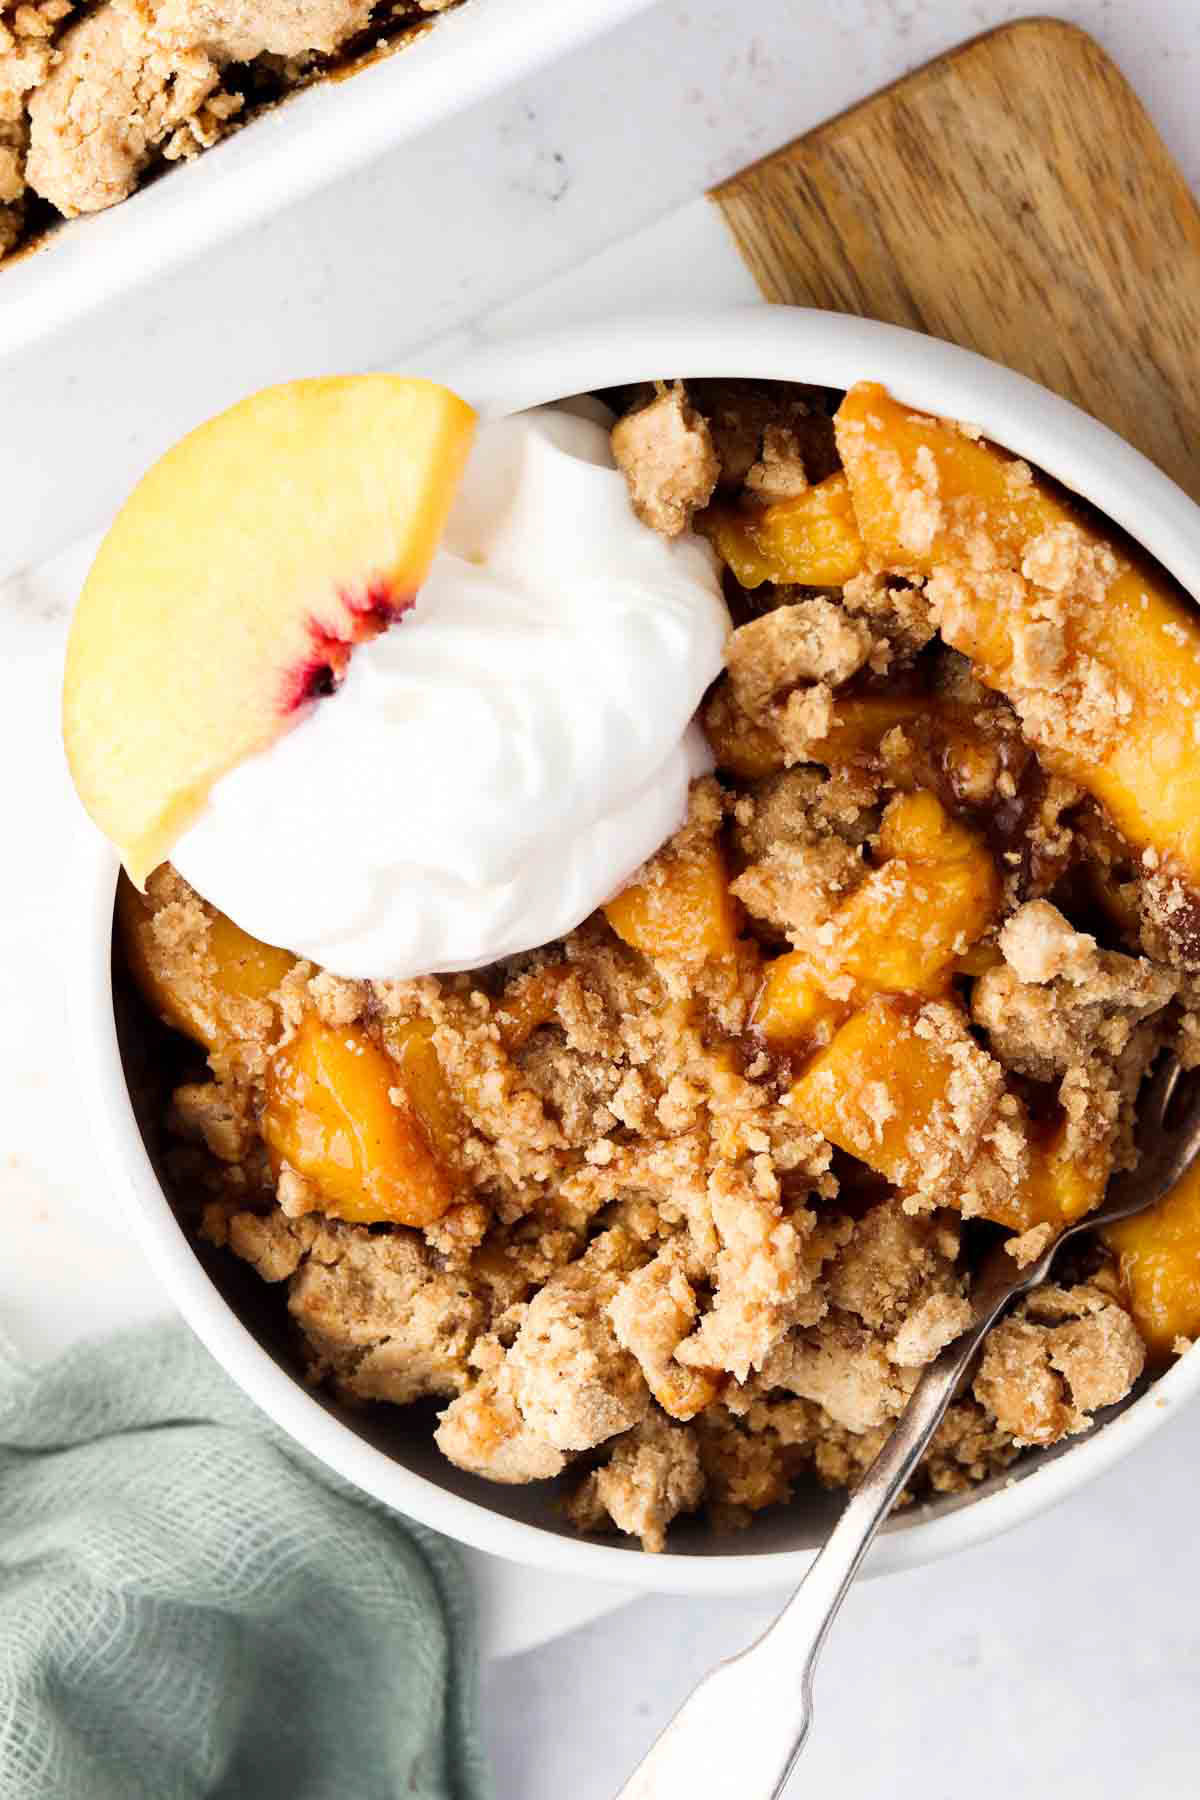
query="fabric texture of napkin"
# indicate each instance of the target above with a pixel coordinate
(191, 1606)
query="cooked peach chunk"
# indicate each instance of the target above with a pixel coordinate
(243, 964)
(197, 986)
(793, 1010)
(901, 931)
(1061, 1188)
(934, 896)
(898, 933)
(681, 907)
(922, 741)
(873, 1090)
(531, 1003)
(685, 1392)
(903, 927)
(1058, 1189)
(862, 721)
(978, 960)
(859, 724)
(811, 540)
(330, 1114)
(919, 483)
(1159, 1258)
(419, 1068)
(917, 826)
(1100, 657)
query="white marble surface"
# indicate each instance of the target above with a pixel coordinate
(1059, 1663)
(1061, 1660)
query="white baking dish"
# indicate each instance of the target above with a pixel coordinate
(314, 137)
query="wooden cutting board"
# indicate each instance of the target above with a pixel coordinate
(1013, 197)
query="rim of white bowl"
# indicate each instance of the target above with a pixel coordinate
(775, 343)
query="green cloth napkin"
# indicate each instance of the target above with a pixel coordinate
(190, 1605)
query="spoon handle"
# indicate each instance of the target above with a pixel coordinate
(739, 1733)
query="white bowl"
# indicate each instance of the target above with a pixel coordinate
(380, 1451)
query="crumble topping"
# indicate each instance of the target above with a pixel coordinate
(93, 99)
(807, 641)
(218, 1116)
(894, 1261)
(780, 473)
(665, 451)
(1057, 1001)
(573, 1383)
(653, 1474)
(718, 1165)
(756, 425)
(935, 1323)
(484, 1431)
(1061, 1356)
(897, 611)
(651, 1314)
(797, 887)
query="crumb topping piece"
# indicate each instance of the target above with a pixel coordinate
(1065, 1354)
(653, 1475)
(573, 1383)
(665, 451)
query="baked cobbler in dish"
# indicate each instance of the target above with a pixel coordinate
(95, 99)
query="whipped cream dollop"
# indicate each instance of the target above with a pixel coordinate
(500, 761)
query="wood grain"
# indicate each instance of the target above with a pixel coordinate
(1014, 197)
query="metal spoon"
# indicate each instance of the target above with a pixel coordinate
(740, 1732)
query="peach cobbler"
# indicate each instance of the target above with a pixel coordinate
(97, 99)
(676, 1207)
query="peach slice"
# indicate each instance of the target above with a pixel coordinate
(235, 582)
(1038, 582)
